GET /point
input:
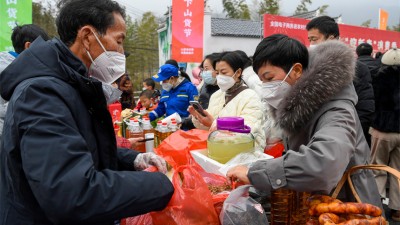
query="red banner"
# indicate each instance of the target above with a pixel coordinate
(187, 30)
(352, 35)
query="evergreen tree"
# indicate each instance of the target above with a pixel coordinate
(236, 9)
(269, 6)
(44, 18)
(302, 8)
(366, 23)
(322, 9)
(142, 44)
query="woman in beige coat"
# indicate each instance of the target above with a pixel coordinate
(233, 99)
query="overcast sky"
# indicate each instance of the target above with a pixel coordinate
(354, 12)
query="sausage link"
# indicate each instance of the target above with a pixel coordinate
(345, 208)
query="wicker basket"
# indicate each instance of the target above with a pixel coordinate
(347, 177)
(288, 207)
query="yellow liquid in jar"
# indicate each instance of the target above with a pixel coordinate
(224, 150)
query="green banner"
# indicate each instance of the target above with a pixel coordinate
(13, 12)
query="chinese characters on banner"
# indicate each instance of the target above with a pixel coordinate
(352, 35)
(13, 12)
(187, 30)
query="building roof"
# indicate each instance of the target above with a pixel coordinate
(315, 13)
(308, 15)
(235, 28)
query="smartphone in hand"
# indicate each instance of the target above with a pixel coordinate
(196, 105)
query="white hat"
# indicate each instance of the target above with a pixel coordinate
(391, 57)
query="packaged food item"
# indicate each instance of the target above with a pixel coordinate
(135, 131)
(231, 138)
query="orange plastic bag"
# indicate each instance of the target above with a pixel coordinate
(191, 202)
(174, 149)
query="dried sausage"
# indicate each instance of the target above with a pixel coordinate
(345, 208)
(317, 199)
(332, 219)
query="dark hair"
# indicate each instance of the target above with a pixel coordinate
(325, 25)
(281, 51)
(245, 58)
(364, 49)
(378, 55)
(213, 57)
(149, 82)
(75, 14)
(175, 63)
(233, 59)
(147, 93)
(156, 93)
(26, 33)
(121, 83)
(172, 62)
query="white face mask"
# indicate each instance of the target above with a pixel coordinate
(111, 93)
(225, 82)
(167, 86)
(108, 66)
(274, 91)
(143, 89)
(311, 47)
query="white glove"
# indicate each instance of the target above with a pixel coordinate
(145, 160)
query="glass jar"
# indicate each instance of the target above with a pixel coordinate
(231, 138)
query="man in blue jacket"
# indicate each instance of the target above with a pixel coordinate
(176, 94)
(59, 163)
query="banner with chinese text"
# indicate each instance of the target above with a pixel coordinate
(383, 18)
(187, 30)
(13, 12)
(380, 40)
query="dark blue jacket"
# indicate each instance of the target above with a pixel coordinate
(366, 102)
(387, 100)
(175, 100)
(59, 163)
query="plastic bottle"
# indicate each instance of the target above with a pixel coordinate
(148, 131)
(135, 131)
(173, 127)
(281, 206)
(143, 111)
(157, 134)
(164, 131)
(127, 129)
(231, 138)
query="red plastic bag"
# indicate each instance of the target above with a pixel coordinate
(175, 148)
(191, 202)
(219, 200)
(138, 220)
(275, 150)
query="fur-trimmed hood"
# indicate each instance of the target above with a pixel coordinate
(330, 71)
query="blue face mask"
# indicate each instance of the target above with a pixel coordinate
(207, 77)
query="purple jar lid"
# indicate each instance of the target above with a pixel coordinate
(234, 124)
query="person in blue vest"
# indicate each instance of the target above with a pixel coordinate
(176, 94)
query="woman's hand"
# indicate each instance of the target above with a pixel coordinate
(205, 120)
(238, 174)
